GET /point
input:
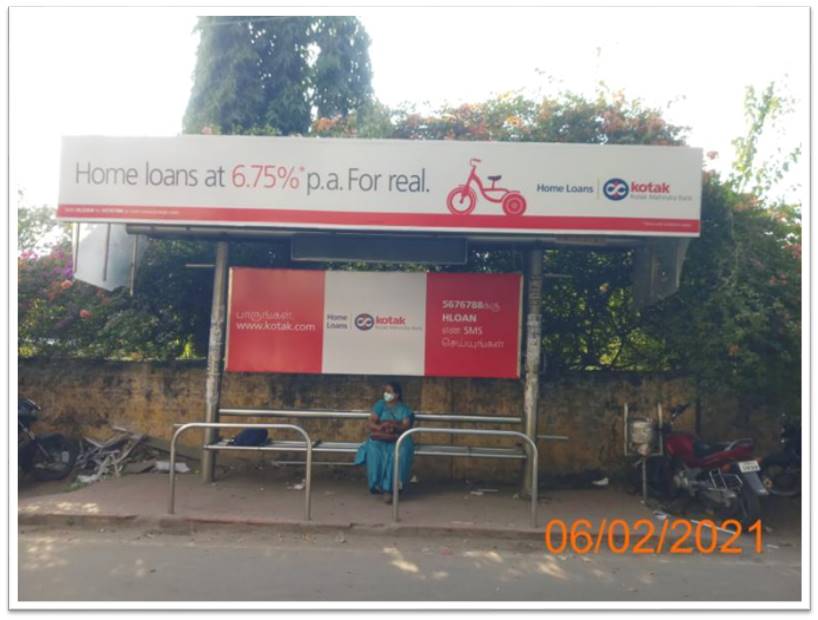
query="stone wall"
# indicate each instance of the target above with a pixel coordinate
(84, 397)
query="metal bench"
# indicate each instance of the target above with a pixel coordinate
(349, 447)
(421, 449)
(310, 446)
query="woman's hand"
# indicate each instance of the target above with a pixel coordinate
(389, 427)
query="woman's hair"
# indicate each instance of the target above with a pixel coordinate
(395, 388)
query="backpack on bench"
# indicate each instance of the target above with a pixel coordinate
(251, 437)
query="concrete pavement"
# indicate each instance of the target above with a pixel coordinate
(137, 564)
(244, 538)
(340, 500)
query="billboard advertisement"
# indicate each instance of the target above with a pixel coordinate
(382, 185)
(381, 323)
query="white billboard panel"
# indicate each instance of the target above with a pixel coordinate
(446, 186)
(374, 323)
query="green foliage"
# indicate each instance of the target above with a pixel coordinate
(511, 117)
(167, 318)
(762, 112)
(37, 227)
(264, 75)
(736, 319)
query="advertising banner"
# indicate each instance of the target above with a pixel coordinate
(414, 185)
(382, 323)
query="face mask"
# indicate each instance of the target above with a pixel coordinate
(388, 397)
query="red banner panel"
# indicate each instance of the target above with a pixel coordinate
(275, 321)
(473, 325)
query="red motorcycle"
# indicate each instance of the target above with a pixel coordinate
(723, 476)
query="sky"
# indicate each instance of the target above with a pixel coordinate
(128, 71)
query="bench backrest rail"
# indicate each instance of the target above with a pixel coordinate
(363, 415)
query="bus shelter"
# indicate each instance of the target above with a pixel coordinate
(394, 201)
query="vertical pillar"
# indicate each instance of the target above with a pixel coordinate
(214, 356)
(533, 352)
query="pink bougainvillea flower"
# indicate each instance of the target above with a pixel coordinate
(66, 284)
(85, 314)
(712, 154)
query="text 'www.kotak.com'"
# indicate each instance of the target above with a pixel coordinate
(277, 326)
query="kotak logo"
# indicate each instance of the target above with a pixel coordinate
(364, 321)
(615, 189)
(651, 188)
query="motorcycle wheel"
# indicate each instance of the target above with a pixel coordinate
(56, 458)
(659, 478)
(747, 508)
(780, 480)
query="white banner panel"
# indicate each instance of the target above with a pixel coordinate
(477, 187)
(374, 323)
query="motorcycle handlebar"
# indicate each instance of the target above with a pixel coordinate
(678, 410)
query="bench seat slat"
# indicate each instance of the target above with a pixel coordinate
(351, 447)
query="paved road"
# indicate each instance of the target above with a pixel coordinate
(143, 565)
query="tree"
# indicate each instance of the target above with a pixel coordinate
(763, 113)
(270, 75)
(38, 228)
(736, 319)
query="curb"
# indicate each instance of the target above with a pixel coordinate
(185, 525)
(180, 523)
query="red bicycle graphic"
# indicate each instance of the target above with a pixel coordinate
(462, 199)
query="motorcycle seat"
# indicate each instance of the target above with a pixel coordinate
(495, 178)
(702, 448)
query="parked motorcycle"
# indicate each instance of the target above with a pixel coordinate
(781, 470)
(50, 456)
(723, 476)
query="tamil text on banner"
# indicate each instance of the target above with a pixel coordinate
(383, 323)
(350, 184)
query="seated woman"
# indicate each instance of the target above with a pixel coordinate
(390, 417)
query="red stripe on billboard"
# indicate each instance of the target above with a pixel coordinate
(276, 320)
(473, 325)
(227, 216)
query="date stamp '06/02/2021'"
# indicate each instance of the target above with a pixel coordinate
(642, 537)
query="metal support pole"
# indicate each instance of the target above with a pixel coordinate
(132, 272)
(644, 480)
(625, 429)
(107, 252)
(214, 357)
(76, 246)
(533, 353)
